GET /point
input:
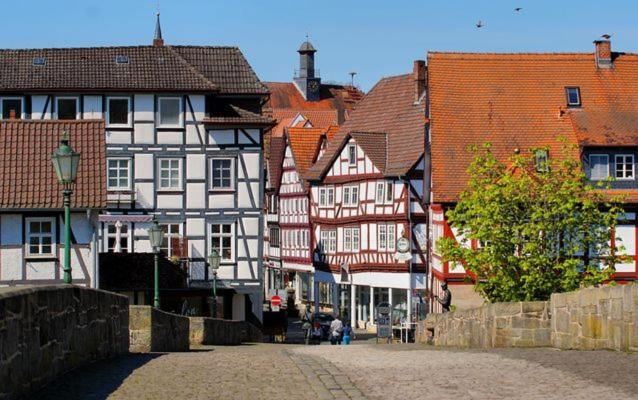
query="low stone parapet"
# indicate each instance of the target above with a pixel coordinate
(516, 324)
(46, 331)
(215, 331)
(153, 330)
(596, 318)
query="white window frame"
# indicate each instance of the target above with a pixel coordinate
(168, 235)
(118, 233)
(232, 174)
(77, 105)
(625, 171)
(232, 240)
(52, 234)
(2, 99)
(180, 122)
(273, 204)
(351, 239)
(384, 188)
(389, 234)
(591, 177)
(352, 199)
(329, 241)
(180, 176)
(271, 235)
(350, 153)
(108, 112)
(129, 180)
(329, 192)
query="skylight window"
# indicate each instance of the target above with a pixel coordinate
(121, 59)
(39, 61)
(573, 96)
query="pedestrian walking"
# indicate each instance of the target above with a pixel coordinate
(347, 333)
(336, 329)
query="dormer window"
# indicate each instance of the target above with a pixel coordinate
(541, 160)
(598, 167)
(624, 166)
(573, 96)
(39, 61)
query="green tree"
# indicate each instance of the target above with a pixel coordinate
(539, 226)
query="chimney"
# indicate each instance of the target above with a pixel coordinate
(603, 54)
(12, 114)
(420, 79)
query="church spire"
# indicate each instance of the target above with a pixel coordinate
(157, 40)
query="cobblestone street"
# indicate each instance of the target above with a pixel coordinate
(362, 371)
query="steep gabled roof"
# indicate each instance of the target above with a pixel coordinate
(28, 178)
(375, 146)
(518, 101)
(304, 144)
(388, 108)
(230, 114)
(148, 68)
(277, 152)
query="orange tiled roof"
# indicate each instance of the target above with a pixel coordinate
(605, 128)
(388, 108)
(518, 101)
(28, 178)
(304, 144)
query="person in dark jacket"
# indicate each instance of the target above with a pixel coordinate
(446, 300)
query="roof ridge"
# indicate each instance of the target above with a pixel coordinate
(52, 121)
(114, 47)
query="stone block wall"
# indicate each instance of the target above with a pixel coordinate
(46, 331)
(596, 318)
(215, 331)
(518, 324)
(153, 330)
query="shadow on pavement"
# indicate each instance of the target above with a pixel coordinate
(607, 368)
(94, 381)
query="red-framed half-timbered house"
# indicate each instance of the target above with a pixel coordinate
(366, 193)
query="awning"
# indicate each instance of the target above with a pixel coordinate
(125, 218)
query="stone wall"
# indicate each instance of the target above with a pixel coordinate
(519, 324)
(587, 319)
(153, 330)
(48, 330)
(215, 331)
(596, 318)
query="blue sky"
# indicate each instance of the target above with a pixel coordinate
(373, 37)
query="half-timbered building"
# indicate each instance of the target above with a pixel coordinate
(366, 193)
(183, 138)
(31, 206)
(520, 102)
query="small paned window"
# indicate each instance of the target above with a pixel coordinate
(119, 173)
(170, 109)
(541, 160)
(40, 236)
(118, 111)
(222, 173)
(625, 166)
(67, 108)
(573, 96)
(385, 192)
(598, 166)
(11, 109)
(170, 170)
(274, 237)
(117, 238)
(222, 240)
(171, 231)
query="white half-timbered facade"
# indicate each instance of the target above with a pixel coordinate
(183, 143)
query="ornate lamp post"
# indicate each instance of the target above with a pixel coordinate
(213, 260)
(65, 162)
(155, 236)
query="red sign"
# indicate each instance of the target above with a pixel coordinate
(275, 301)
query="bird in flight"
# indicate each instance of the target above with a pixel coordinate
(606, 36)
(479, 24)
(518, 9)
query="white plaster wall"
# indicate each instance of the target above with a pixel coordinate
(145, 194)
(251, 160)
(169, 137)
(221, 136)
(143, 166)
(118, 137)
(144, 133)
(144, 107)
(40, 269)
(170, 200)
(195, 227)
(11, 264)
(218, 200)
(196, 195)
(196, 166)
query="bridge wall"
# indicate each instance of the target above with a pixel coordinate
(156, 330)
(46, 331)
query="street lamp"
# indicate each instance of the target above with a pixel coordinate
(65, 162)
(155, 236)
(213, 260)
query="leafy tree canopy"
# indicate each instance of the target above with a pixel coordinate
(537, 224)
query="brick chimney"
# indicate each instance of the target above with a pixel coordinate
(419, 72)
(603, 54)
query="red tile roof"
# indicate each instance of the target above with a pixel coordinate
(230, 114)
(29, 180)
(304, 144)
(605, 128)
(277, 149)
(389, 108)
(518, 101)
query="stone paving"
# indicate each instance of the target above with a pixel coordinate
(361, 371)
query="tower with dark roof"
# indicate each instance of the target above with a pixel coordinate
(157, 39)
(307, 81)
